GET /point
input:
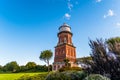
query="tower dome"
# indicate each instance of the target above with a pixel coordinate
(65, 27)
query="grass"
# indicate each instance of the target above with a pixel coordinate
(14, 76)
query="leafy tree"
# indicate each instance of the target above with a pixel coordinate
(113, 40)
(46, 55)
(1, 68)
(31, 65)
(114, 45)
(42, 68)
(103, 62)
(12, 66)
(23, 68)
(31, 68)
(84, 59)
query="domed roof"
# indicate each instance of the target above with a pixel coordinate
(65, 27)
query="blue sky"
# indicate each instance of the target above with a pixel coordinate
(28, 27)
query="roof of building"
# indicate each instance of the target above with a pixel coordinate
(65, 27)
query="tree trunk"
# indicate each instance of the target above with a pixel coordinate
(48, 66)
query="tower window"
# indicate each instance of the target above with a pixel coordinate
(65, 41)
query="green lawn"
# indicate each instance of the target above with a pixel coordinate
(14, 76)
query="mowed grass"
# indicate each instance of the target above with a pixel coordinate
(14, 76)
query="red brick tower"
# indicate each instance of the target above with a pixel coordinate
(65, 48)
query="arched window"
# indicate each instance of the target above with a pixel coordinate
(65, 40)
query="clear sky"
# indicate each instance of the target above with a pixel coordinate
(28, 27)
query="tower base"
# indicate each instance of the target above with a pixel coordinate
(57, 65)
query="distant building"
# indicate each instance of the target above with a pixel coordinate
(65, 48)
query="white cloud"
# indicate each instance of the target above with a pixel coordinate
(70, 6)
(98, 0)
(67, 16)
(118, 24)
(109, 14)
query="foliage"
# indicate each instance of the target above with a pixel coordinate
(46, 55)
(114, 45)
(102, 61)
(84, 59)
(37, 68)
(23, 68)
(35, 77)
(31, 65)
(96, 77)
(66, 61)
(57, 76)
(12, 67)
(1, 69)
(113, 40)
(67, 75)
(69, 68)
(41, 68)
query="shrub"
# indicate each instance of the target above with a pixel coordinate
(104, 61)
(76, 68)
(67, 75)
(69, 68)
(37, 68)
(96, 77)
(57, 76)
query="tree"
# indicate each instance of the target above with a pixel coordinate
(12, 66)
(30, 65)
(114, 45)
(46, 55)
(23, 68)
(102, 61)
(84, 59)
(1, 68)
(42, 68)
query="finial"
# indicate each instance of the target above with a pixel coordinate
(65, 24)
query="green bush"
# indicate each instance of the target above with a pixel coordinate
(57, 76)
(67, 75)
(69, 68)
(96, 77)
